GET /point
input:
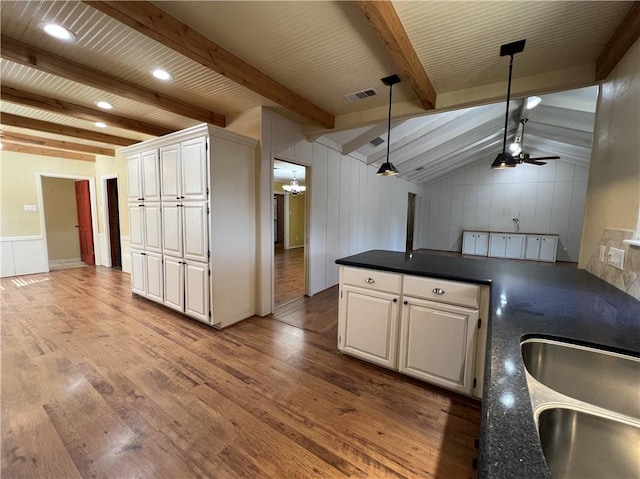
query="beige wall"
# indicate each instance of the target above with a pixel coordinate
(109, 166)
(18, 188)
(613, 190)
(60, 217)
(297, 208)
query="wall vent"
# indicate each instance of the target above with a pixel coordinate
(377, 141)
(361, 95)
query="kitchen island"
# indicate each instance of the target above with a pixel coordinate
(526, 300)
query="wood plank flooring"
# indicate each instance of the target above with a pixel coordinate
(288, 275)
(98, 383)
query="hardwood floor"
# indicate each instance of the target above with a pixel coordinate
(288, 275)
(97, 383)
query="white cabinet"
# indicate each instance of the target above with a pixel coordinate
(143, 176)
(503, 245)
(475, 242)
(541, 248)
(146, 275)
(184, 170)
(192, 202)
(369, 325)
(437, 343)
(424, 327)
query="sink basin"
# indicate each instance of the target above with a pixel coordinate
(581, 445)
(601, 378)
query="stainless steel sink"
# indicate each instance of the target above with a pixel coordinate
(600, 378)
(581, 445)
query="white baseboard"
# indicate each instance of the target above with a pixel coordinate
(66, 260)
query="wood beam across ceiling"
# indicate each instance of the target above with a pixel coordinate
(622, 39)
(153, 22)
(385, 21)
(36, 150)
(51, 143)
(42, 60)
(39, 125)
(13, 95)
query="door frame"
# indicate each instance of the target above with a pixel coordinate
(105, 219)
(94, 211)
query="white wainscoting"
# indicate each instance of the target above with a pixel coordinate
(102, 246)
(125, 250)
(22, 255)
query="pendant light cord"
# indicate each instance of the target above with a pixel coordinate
(389, 122)
(506, 115)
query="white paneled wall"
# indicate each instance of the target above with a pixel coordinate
(351, 208)
(546, 199)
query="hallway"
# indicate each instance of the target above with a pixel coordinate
(288, 275)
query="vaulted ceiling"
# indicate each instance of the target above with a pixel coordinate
(300, 59)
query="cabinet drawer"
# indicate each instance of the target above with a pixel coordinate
(372, 279)
(452, 292)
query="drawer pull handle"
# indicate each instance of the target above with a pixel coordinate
(438, 290)
(370, 280)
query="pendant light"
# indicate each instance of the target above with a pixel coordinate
(505, 159)
(387, 168)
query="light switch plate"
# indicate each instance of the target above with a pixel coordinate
(616, 258)
(603, 252)
(30, 208)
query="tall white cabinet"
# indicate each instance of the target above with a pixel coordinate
(192, 223)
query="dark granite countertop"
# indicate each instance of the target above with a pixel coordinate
(527, 299)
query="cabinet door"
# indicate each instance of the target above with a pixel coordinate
(532, 250)
(172, 229)
(171, 183)
(173, 283)
(134, 178)
(154, 276)
(482, 244)
(497, 245)
(150, 175)
(548, 248)
(437, 343)
(196, 291)
(468, 243)
(368, 325)
(515, 246)
(196, 237)
(152, 227)
(138, 272)
(136, 225)
(194, 169)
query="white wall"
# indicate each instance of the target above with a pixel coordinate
(546, 199)
(351, 208)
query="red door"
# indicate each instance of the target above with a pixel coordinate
(85, 230)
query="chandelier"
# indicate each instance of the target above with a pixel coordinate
(293, 188)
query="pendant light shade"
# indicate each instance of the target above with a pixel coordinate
(387, 168)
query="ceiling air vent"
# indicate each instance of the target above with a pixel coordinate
(377, 141)
(361, 95)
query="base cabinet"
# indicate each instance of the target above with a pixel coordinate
(506, 246)
(541, 248)
(369, 325)
(475, 243)
(146, 275)
(437, 343)
(186, 287)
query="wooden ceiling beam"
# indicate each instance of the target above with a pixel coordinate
(39, 125)
(21, 97)
(36, 150)
(622, 39)
(51, 143)
(153, 22)
(33, 57)
(385, 21)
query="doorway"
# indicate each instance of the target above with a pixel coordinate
(290, 227)
(411, 220)
(113, 223)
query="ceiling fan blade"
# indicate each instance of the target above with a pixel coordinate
(546, 158)
(533, 161)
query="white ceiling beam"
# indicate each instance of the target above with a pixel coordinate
(366, 137)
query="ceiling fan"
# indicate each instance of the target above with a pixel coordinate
(506, 159)
(522, 157)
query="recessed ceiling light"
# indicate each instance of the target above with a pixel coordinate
(162, 74)
(57, 31)
(105, 105)
(100, 124)
(533, 101)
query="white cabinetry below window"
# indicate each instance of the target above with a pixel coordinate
(502, 245)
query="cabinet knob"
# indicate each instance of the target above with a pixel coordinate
(405, 302)
(395, 300)
(182, 197)
(438, 290)
(370, 280)
(177, 197)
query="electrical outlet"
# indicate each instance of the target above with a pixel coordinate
(616, 258)
(603, 252)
